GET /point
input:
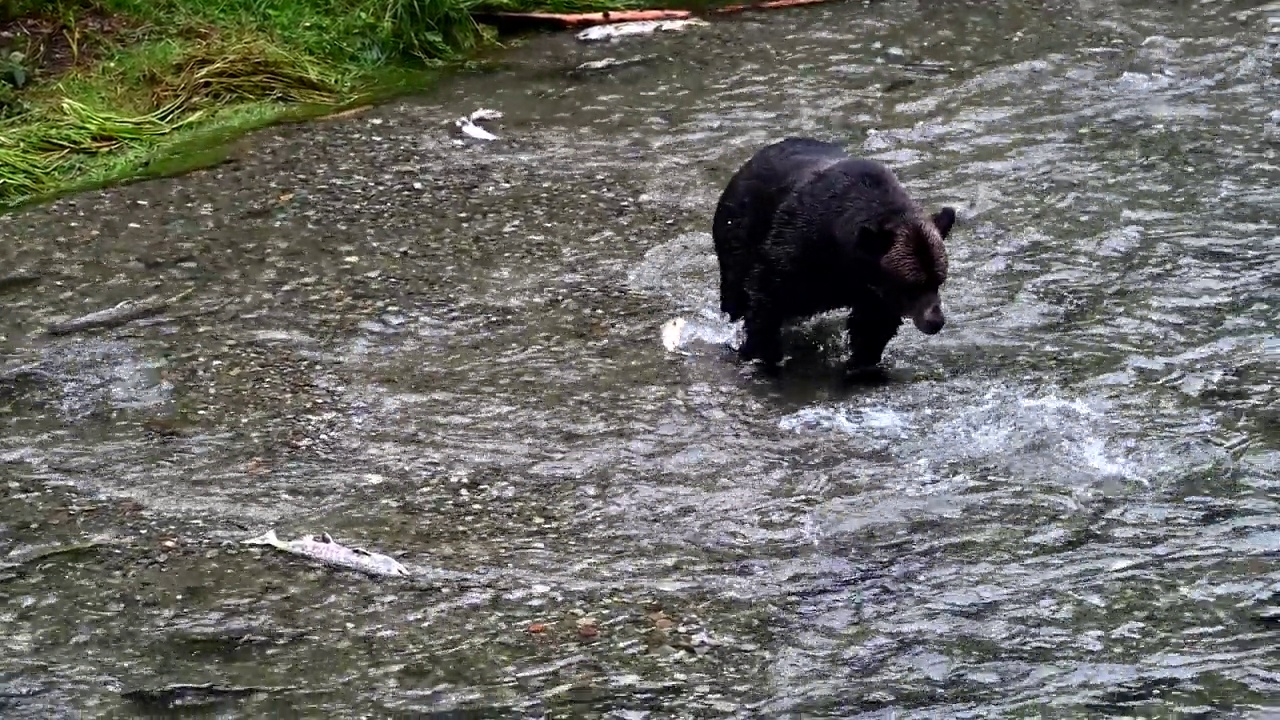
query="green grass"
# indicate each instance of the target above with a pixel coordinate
(177, 79)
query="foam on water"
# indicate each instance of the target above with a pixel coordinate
(1044, 437)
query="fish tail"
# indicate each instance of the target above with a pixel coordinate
(267, 538)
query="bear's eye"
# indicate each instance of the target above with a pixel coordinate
(919, 286)
(911, 282)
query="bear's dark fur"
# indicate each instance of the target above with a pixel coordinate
(802, 228)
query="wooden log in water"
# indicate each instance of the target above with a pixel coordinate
(767, 5)
(17, 374)
(579, 20)
(125, 312)
(17, 280)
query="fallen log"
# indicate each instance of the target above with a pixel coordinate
(577, 20)
(14, 281)
(767, 5)
(608, 17)
(125, 312)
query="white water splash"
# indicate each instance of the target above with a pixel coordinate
(678, 332)
(1035, 438)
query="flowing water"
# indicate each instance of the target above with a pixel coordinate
(1067, 504)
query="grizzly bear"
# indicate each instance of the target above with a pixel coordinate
(803, 228)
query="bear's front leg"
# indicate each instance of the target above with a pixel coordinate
(764, 339)
(869, 334)
(732, 293)
(763, 323)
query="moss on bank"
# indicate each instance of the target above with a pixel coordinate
(99, 91)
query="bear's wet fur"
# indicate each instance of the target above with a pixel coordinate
(803, 228)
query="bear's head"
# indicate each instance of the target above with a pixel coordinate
(912, 266)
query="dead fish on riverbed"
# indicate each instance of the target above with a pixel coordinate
(671, 331)
(638, 27)
(322, 548)
(608, 64)
(471, 129)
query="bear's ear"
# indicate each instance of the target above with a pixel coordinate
(944, 219)
(873, 242)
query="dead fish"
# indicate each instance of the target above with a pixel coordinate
(323, 549)
(471, 129)
(598, 66)
(671, 331)
(485, 114)
(638, 27)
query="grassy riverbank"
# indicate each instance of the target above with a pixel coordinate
(97, 91)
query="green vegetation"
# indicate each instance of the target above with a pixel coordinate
(96, 91)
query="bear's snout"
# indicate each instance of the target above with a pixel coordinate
(931, 320)
(931, 326)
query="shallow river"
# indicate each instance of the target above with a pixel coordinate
(1065, 504)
